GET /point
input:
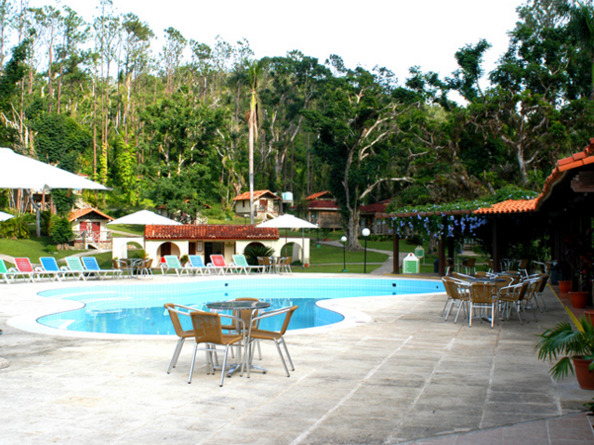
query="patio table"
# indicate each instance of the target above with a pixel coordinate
(237, 306)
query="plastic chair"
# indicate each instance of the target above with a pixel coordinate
(196, 264)
(172, 262)
(255, 333)
(217, 262)
(90, 263)
(241, 264)
(25, 268)
(50, 269)
(6, 273)
(76, 267)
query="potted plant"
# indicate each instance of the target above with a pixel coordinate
(575, 347)
(184, 260)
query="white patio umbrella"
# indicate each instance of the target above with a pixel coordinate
(288, 221)
(145, 218)
(5, 216)
(20, 172)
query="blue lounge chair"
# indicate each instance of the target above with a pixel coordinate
(50, 269)
(241, 265)
(172, 262)
(197, 265)
(91, 264)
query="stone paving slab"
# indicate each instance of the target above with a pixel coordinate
(405, 375)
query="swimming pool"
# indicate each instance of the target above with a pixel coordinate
(137, 309)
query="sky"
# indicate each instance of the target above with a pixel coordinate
(395, 34)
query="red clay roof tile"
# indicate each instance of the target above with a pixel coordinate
(209, 232)
(257, 194)
(78, 213)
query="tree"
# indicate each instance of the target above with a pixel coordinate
(355, 121)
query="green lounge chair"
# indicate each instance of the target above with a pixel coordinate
(241, 265)
(76, 267)
(5, 273)
(172, 262)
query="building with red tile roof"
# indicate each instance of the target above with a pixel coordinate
(208, 239)
(266, 204)
(89, 226)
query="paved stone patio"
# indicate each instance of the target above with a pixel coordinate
(405, 375)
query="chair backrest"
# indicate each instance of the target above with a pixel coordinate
(288, 316)
(513, 292)
(196, 261)
(75, 264)
(218, 260)
(482, 292)
(452, 287)
(90, 263)
(265, 261)
(240, 260)
(172, 261)
(544, 278)
(49, 264)
(3, 268)
(23, 264)
(177, 325)
(207, 327)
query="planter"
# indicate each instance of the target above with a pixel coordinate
(589, 314)
(579, 299)
(584, 376)
(564, 286)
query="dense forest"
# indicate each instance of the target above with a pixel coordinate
(177, 125)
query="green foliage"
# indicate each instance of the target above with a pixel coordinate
(17, 227)
(60, 230)
(567, 341)
(64, 200)
(253, 251)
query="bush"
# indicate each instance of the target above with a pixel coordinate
(17, 227)
(60, 230)
(253, 251)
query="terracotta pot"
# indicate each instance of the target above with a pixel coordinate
(578, 299)
(564, 286)
(584, 376)
(589, 314)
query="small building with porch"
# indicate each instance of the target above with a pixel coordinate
(206, 240)
(89, 226)
(266, 204)
(323, 210)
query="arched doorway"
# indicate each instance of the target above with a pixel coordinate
(167, 248)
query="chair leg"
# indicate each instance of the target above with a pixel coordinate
(224, 367)
(176, 352)
(282, 340)
(282, 358)
(193, 362)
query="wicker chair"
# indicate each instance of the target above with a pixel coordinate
(482, 297)
(510, 297)
(255, 333)
(457, 292)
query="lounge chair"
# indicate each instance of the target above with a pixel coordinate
(49, 268)
(241, 265)
(90, 263)
(25, 269)
(172, 262)
(217, 262)
(75, 266)
(196, 265)
(6, 273)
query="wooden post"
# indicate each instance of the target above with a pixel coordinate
(441, 255)
(396, 254)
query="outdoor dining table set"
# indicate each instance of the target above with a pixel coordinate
(489, 296)
(241, 334)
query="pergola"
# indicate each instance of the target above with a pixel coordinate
(564, 210)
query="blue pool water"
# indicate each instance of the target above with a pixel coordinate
(138, 308)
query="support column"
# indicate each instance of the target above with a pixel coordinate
(396, 254)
